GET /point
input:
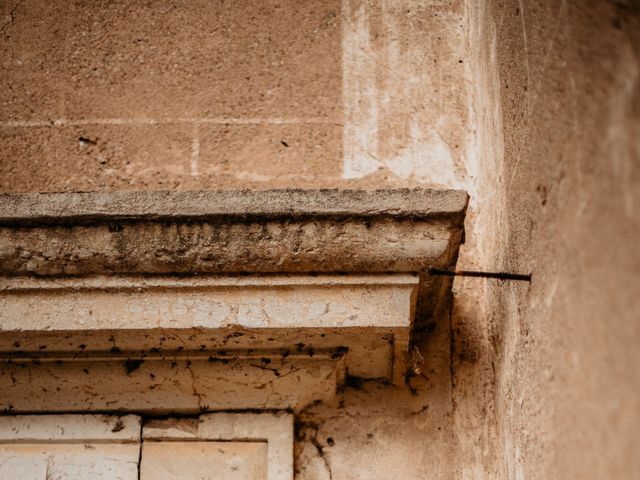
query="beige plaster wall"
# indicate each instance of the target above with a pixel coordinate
(558, 104)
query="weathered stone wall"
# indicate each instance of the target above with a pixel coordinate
(173, 95)
(532, 107)
(558, 107)
(169, 95)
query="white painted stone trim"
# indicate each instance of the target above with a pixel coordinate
(298, 335)
(44, 318)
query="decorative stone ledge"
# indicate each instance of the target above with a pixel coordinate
(202, 301)
(197, 344)
(278, 231)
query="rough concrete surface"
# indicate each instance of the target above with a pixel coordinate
(233, 232)
(94, 207)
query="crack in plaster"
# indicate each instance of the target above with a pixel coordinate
(194, 389)
(313, 439)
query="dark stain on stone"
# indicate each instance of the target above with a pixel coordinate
(87, 141)
(118, 427)
(353, 382)
(616, 22)
(131, 365)
(407, 381)
(339, 352)
(223, 361)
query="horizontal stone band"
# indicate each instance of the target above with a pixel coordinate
(279, 231)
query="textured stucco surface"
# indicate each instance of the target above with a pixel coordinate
(558, 110)
(168, 94)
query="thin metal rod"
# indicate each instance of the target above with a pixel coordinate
(520, 277)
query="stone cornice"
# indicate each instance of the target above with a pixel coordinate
(78, 208)
(200, 301)
(274, 231)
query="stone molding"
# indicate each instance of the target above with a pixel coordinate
(166, 344)
(91, 207)
(274, 429)
(276, 231)
(69, 428)
(162, 302)
(99, 447)
(126, 447)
